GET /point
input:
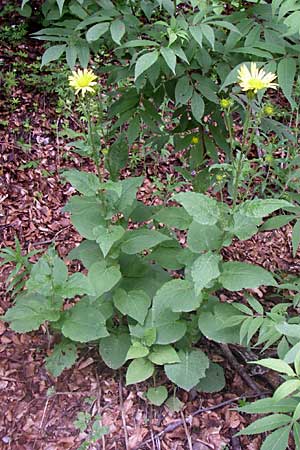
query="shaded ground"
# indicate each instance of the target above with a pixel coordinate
(38, 411)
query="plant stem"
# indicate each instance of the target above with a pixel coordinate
(229, 129)
(92, 141)
(241, 155)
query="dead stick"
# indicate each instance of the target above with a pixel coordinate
(242, 372)
(177, 423)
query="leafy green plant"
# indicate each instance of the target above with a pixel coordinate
(91, 425)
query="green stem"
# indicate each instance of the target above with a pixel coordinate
(243, 153)
(92, 141)
(229, 129)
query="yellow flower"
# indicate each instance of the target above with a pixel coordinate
(83, 81)
(254, 80)
(195, 140)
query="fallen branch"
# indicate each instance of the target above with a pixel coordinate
(177, 423)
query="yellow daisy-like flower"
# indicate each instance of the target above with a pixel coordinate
(83, 81)
(255, 79)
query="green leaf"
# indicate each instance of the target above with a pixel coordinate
(236, 276)
(296, 433)
(138, 240)
(96, 31)
(286, 388)
(269, 405)
(189, 371)
(137, 350)
(84, 322)
(203, 209)
(77, 284)
(183, 91)
(157, 396)
(177, 296)
(117, 157)
(29, 312)
(209, 34)
(174, 404)
(86, 214)
(139, 370)
(170, 58)
(214, 324)
(276, 364)
(214, 380)
(52, 54)
(174, 217)
(277, 222)
(296, 237)
(88, 252)
(107, 237)
(133, 130)
(266, 424)
(114, 348)
(102, 278)
(60, 4)
(84, 182)
(262, 207)
(204, 237)
(196, 32)
(135, 304)
(286, 76)
(278, 440)
(117, 30)
(63, 357)
(144, 62)
(204, 270)
(197, 106)
(163, 354)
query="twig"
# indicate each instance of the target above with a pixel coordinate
(122, 413)
(177, 423)
(188, 436)
(233, 362)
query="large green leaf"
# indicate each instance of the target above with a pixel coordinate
(286, 75)
(96, 31)
(29, 312)
(138, 240)
(88, 252)
(86, 214)
(113, 349)
(169, 57)
(117, 30)
(173, 217)
(139, 370)
(144, 62)
(135, 304)
(213, 323)
(163, 354)
(278, 440)
(204, 270)
(102, 278)
(191, 368)
(262, 207)
(84, 322)
(204, 237)
(53, 53)
(266, 424)
(177, 296)
(236, 276)
(203, 209)
(84, 182)
(214, 380)
(106, 237)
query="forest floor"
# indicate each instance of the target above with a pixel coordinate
(38, 411)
